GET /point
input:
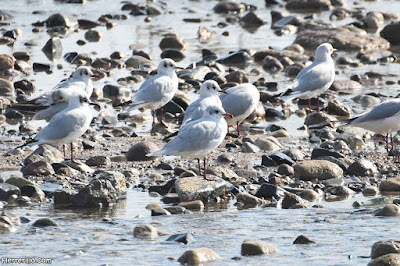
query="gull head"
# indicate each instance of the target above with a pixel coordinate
(80, 99)
(323, 51)
(83, 73)
(209, 88)
(216, 112)
(166, 66)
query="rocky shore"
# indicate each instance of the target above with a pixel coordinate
(268, 167)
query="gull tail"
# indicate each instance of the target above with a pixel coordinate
(168, 138)
(135, 106)
(290, 94)
(30, 142)
(156, 153)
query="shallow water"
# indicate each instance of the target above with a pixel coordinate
(344, 235)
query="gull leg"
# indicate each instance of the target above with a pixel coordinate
(238, 130)
(161, 119)
(72, 152)
(204, 168)
(318, 104)
(309, 104)
(391, 141)
(198, 163)
(64, 150)
(387, 142)
(153, 112)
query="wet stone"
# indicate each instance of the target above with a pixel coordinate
(196, 205)
(6, 62)
(249, 200)
(388, 259)
(138, 151)
(228, 7)
(44, 222)
(309, 194)
(381, 248)
(93, 36)
(285, 169)
(317, 169)
(291, 199)
(268, 191)
(302, 240)
(100, 161)
(173, 42)
(53, 48)
(198, 256)
(176, 209)
(239, 58)
(63, 197)
(176, 55)
(40, 168)
(159, 212)
(117, 94)
(354, 141)
(145, 231)
(182, 238)
(390, 185)
(362, 167)
(391, 33)
(320, 152)
(6, 190)
(389, 210)
(171, 198)
(252, 247)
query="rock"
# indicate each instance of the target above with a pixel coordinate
(362, 167)
(176, 55)
(159, 212)
(173, 42)
(308, 5)
(182, 238)
(238, 59)
(310, 35)
(248, 147)
(170, 198)
(249, 200)
(6, 228)
(285, 169)
(57, 20)
(40, 168)
(251, 20)
(309, 194)
(6, 190)
(276, 158)
(388, 259)
(302, 240)
(138, 151)
(320, 152)
(93, 36)
(316, 118)
(389, 210)
(6, 62)
(117, 94)
(44, 222)
(251, 247)
(228, 7)
(291, 199)
(390, 185)
(197, 188)
(222, 172)
(100, 161)
(317, 169)
(348, 86)
(268, 191)
(63, 197)
(196, 205)
(198, 256)
(391, 33)
(53, 48)
(268, 144)
(85, 24)
(354, 141)
(238, 76)
(279, 54)
(272, 65)
(338, 109)
(40, 67)
(145, 231)
(381, 248)
(140, 62)
(370, 191)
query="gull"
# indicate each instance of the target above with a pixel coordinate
(240, 101)
(157, 91)
(314, 79)
(199, 138)
(67, 125)
(383, 119)
(58, 98)
(208, 96)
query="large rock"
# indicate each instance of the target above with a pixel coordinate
(138, 151)
(139, 62)
(311, 35)
(362, 167)
(45, 152)
(251, 247)
(391, 33)
(317, 169)
(197, 188)
(291, 199)
(101, 192)
(173, 42)
(6, 190)
(40, 168)
(269, 191)
(146, 231)
(385, 247)
(354, 141)
(389, 210)
(224, 173)
(6, 62)
(249, 200)
(308, 5)
(117, 94)
(198, 256)
(386, 260)
(390, 185)
(53, 48)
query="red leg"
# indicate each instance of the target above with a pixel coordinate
(153, 112)
(238, 130)
(64, 150)
(161, 119)
(309, 105)
(387, 142)
(318, 104)
(391, 140)
(72, 152)
(198, 162)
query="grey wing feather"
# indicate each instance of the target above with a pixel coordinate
(48, 113)
(56, 129)
(150, 90)
(314, 78)
(384, 110)
(234, 103)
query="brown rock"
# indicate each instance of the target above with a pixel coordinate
(138, 151)
(389, 210)
(198, 256)
(6, 62)
(251, 247)
(291, 199)
(385, 247)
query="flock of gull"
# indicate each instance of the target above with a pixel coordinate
(206, 121)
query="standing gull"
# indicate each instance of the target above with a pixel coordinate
(58, 98)
(208, 96)
(314, 79)
(157, 91)
(240, 101)
(383, 118)
(200, 137)
(67, 125)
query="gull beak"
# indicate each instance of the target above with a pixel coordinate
(178, 67)
(228, 115)
(223, 91)
(96, 76)
(96, 107)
